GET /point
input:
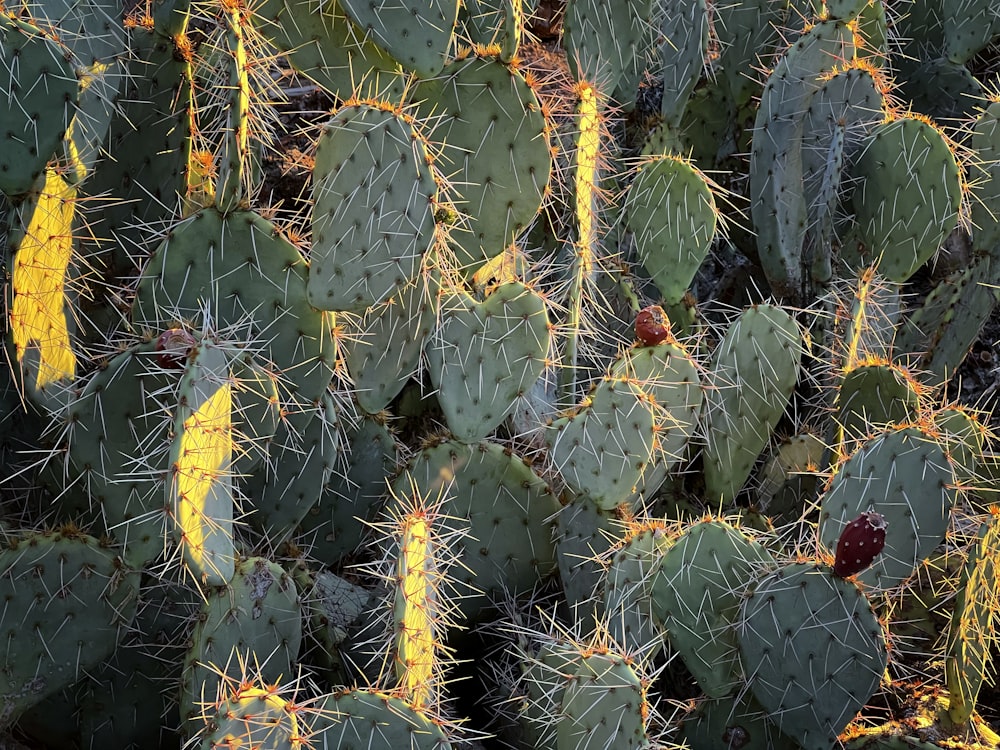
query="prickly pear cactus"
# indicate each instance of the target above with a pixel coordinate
(906, 476)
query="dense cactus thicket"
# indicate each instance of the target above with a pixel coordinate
(590, 396)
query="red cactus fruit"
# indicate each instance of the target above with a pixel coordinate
(652, 326)
(860, 542)
(173, 347)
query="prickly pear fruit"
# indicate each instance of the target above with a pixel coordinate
(652, 326)
(860, 542)
(173, 347)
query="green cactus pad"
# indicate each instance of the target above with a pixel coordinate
(417, 34)
(602, 39)
(753, 372)
(118, 448)
(123, 703)
(843, 108)
(969, 27)
(870, 321)
(874, 395)
(69, 601)
(942, 331)
(984, 177)
(696, 594)
(368, 720)
(965, 437)
(905, 475)
(94, 36)
(150, 141)
(684, 27)
(544, 668)
(485, 355)
(629, 615)
(604, 705)
(749, 32)
(374, 196)
(253, 625)
(778, 205)
(584, 535)
(603, 448)
(199, 488)
(498, 182)
(672, 212)
(252, 717)
(285, 492)
(39, 92)
(669, 375)
(341, 521)
(323, 44)
(907, 198)
(507, 506)
(354, 495)
(256, 281)
(812, 649)
(791, 474)
(382, 348)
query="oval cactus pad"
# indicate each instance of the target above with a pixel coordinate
(373, 212)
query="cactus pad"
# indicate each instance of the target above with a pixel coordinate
(672, 212)
(68, 603)
(485, 355)
(905, 475)
(417, 34)
(373, 208)
(39, 94)
(812, 649)
(603, 448)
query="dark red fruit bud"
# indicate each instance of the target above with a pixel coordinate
(860, 542)
(173, 346)
(652, 326)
